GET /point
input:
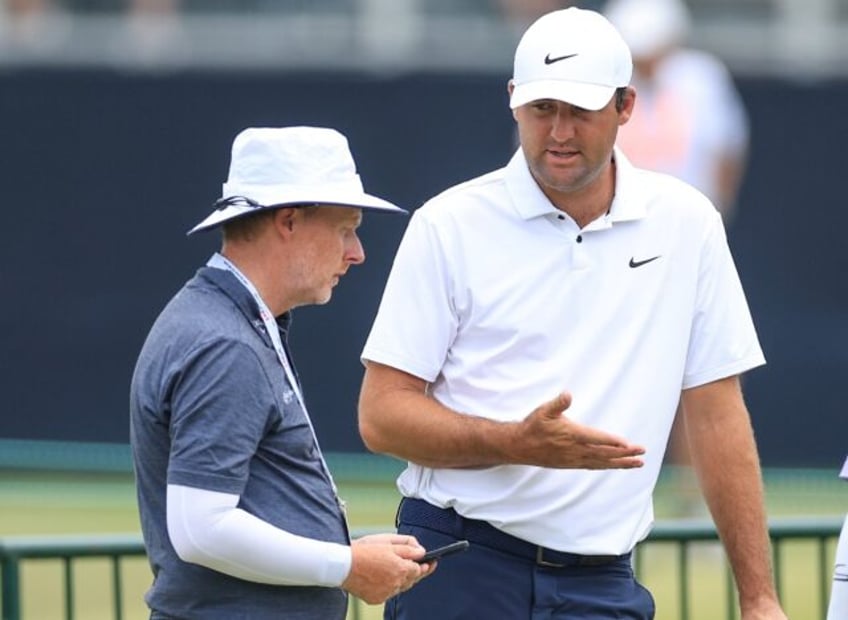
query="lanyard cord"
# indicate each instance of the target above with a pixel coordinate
(220, 262)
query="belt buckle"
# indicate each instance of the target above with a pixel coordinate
(541, 561)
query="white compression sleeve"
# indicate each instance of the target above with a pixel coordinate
(838, 609)
(207, 528)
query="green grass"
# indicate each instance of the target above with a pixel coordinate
(37, 503)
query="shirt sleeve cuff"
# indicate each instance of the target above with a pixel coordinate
(339, 559)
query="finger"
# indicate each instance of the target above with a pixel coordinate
(605, 457)
(405, 539)
(401, 539)
(554, 407)
(408, 552)
(592, 436)
(607, 452)
(616, 463)
(627, 449)
(428, 567)
(420, 571)
(425, 568)
(628, 463)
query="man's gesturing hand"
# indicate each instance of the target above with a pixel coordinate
(548, 438)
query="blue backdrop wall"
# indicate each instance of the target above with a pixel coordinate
(103, 172)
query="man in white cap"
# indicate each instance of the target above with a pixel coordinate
(538, 328)
(239, 511)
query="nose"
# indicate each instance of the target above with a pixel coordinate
(355, 253)
(562, 126)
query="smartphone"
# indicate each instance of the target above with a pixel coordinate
(440, 552)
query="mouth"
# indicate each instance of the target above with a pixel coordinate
(562, 154)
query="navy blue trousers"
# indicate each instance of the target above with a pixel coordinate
(485, 582)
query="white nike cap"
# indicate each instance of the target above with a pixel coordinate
(572, 55)
(274, 167)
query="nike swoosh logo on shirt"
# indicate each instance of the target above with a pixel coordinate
(638, 263)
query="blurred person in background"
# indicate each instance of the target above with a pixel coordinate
(538, 329)
(239, 512)
(32, 27)
(153, 32)
(691, 123)
(526, 12)
(838, 608)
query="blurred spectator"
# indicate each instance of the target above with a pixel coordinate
(154, 30)
(528, 10)
(689, 119)
(31, 26)
(149, 8)
(689, 122)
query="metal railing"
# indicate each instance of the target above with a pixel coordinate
(686, 533)
(682, 533)
(15, 550)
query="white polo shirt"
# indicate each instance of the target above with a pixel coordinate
(499, 301)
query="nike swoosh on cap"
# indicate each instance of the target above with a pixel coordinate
(550, 61)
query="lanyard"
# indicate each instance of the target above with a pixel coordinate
(220, 262)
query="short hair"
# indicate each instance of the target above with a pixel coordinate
(620, 96)
(246, 227)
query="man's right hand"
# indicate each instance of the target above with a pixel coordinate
(548, 438)
(383, 566)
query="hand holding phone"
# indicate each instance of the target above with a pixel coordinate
(440, 552)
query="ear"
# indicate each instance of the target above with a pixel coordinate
(284, 221)
(510, 86)
(627, 106)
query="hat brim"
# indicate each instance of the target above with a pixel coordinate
(363, 201)
(581, 94)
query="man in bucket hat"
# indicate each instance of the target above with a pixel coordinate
(239, 511)
(572, 300)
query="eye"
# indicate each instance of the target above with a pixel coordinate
(543, 105)
(349, 231)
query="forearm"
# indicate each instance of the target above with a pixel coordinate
(397, 417)
(207, 528)
(734, 493)
(726, 461)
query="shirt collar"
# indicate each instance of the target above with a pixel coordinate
(630, 201)
(530, 201)
(228, 284)
(527, 196)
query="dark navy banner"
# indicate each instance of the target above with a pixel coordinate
(103, 173)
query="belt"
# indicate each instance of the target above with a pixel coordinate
(448, 521)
